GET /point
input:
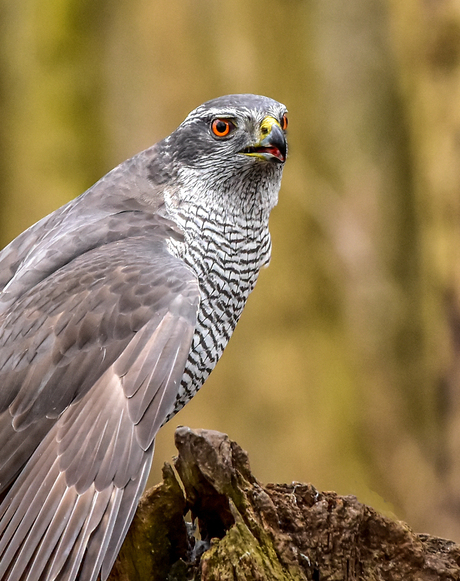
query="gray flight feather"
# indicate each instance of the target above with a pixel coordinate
(113, 311)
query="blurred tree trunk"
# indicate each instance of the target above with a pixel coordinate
(366, 205)
(426, 40)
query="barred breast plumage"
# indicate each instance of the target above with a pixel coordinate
(113, 311)
(227, 262)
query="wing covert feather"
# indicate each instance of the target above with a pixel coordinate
(103, 343)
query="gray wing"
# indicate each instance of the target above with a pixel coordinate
(91, 359)
(91, 220)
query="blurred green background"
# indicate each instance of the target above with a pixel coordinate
(345, 368)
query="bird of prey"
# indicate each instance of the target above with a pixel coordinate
(114, 309)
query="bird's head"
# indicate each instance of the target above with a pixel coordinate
(242, 129)
(233, 147)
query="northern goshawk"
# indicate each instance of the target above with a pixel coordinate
(114, 309)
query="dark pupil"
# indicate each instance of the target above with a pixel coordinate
(221, 127)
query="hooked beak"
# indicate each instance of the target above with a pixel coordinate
(272, 144)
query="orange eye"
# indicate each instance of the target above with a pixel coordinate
(284, 122)
(221, 127)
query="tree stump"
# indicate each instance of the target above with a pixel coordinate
(243, 530)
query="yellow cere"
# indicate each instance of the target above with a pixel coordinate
(266, 126)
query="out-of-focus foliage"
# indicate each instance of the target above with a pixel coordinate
(345, 368)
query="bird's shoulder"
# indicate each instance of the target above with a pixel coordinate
(126, 203)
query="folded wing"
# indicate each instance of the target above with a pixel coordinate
(91, 360)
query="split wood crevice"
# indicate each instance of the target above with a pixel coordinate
(243, 530)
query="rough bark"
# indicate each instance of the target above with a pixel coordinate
(243, 530)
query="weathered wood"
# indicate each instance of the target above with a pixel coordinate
(275, 532)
